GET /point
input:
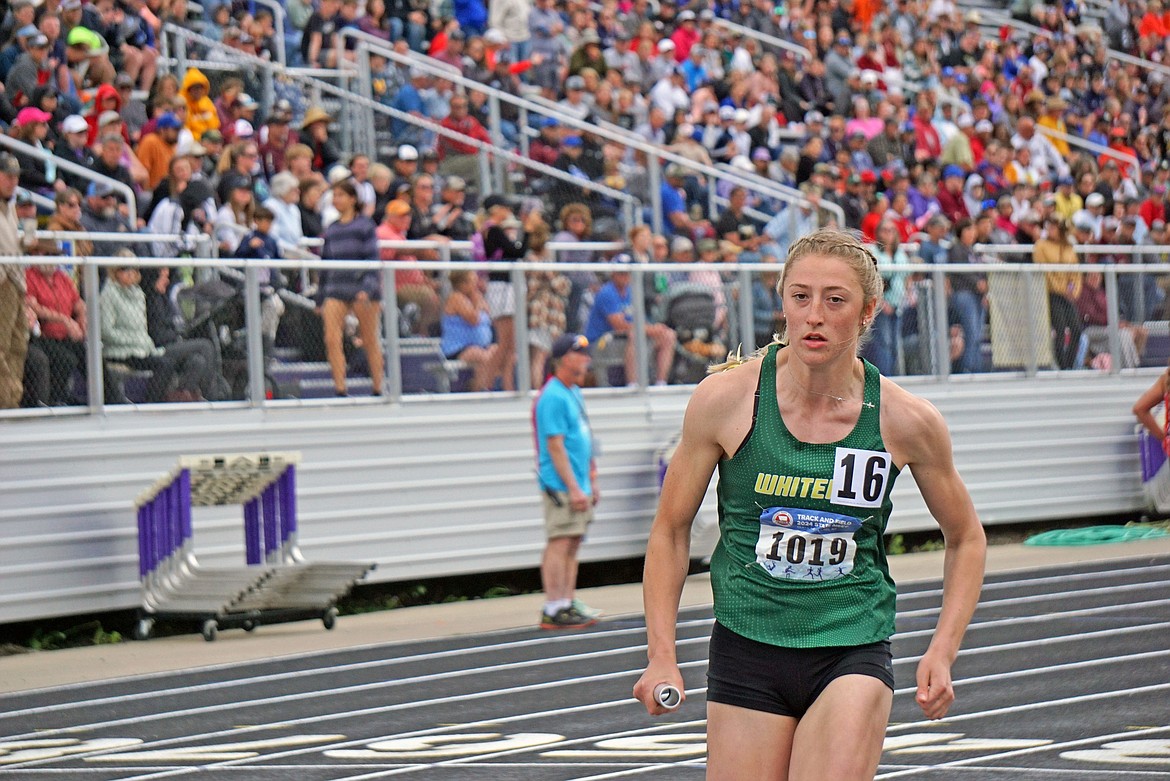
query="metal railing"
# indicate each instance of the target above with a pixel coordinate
(74, 168)
(656, 155)
(737, 281)
(771, 40)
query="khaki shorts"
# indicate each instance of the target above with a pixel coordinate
(563, 521)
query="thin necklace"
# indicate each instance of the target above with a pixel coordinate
(840, 399)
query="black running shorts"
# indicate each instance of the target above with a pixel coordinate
(785, 681)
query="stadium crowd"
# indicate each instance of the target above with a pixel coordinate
(925, 126)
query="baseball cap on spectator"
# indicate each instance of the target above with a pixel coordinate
(1119, 132)
(494, 200)
(1082, 222)
(407, 152)
(572, 141)
(708, 245)
(570, 343)
(338, 174)
(246, 101)
(496, 36)
(813, 117)
(952, 170)
(194, 149)
(868, 177)
(169, 121)
(28, 31)
(727, 112)
(281, 112)
(70, 5)
(549, 122)
(687, 16)
(23, 198)
(588, 36)
(681, 244)
(83, 36)
(108, 118)
(74, 123)
(1094, 199)
(454, 183)
(212, 136)
(98, 189)
(965, 120)
(741, 115)
(235, 180)
(575, 82)
(243, 129)
(761, 153)
(397, 208)
(707, 14)
(37, 41)
(674, 171)
(124, 81)
(1110, 224)
(30, 114)
(984, 126)
(1157, 225)
(666, 45)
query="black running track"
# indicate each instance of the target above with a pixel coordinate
(1065, 675)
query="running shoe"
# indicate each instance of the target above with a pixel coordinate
(566, 618)
(585, 610)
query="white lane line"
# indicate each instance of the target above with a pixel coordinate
(1041, 618)
(487, 648)
(1032, 599)
(1060, 774)
(959, 763)
(1047, 579)
(1030, 706)
(163, 715)
(373, 664)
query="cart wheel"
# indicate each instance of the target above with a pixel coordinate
(143, 628)
(330, 618)
(210, 629)
(249, 626)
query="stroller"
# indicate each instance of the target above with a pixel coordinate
(690, 310)
(214, 309)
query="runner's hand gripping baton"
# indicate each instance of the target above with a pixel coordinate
(667, 696)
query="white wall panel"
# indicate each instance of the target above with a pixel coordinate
(445, 487)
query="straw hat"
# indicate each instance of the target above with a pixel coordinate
(315, 114)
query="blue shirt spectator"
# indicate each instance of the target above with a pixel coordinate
(560, 412)
(609, 301)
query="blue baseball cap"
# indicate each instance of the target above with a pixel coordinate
(572, 141)
(169, 120)
(953, 170)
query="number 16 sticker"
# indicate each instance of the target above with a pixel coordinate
(860, 477)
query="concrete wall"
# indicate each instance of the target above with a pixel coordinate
(446, 486)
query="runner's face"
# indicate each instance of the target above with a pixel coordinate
(824, 307)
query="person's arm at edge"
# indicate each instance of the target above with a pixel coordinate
(925, 444)
(1144, 406)
(668, 549)
(578, 500)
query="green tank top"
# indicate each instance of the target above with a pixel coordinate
(801, 561)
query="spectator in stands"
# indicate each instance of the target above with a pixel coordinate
(67, 217)
(260, 245)
(456, 157)
(467, 330)
(286, 194)
(201, 113)
(35, 173)
(885, 348)
(315, 130)
(409, 100)
(103, 214)
(235, 215)
(319, 41)
(413, 286)
(950, 196)
(450, 218)
(968, 297)
(156, 149)
(735, 226)
(1063, 290)
(311, 190)
(767, 307)
(351, 237)
(126, 339)
(612, 312)
(276, 137)
(31, 69)
(60, 332)
(170, 213)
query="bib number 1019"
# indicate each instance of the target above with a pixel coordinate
(802, 550)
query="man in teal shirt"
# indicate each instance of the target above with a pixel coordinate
(567, 472)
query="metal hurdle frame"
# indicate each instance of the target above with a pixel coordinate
(276, 585)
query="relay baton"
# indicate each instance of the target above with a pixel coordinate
(667, 696)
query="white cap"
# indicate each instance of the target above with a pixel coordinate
(742, 115)
(984, 126)
(666, 45)
(965, 120)
(243, 128)
(727, 112)
(407, 152)
(74, 123)
(1094, 199)
(495, 35)
(338, 174)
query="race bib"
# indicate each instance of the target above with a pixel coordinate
(806, 545)
(860, 477)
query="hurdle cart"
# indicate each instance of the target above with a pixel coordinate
(275, 585)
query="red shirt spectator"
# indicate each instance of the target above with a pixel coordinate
(927, 145)
(459, 121)
(56, 293)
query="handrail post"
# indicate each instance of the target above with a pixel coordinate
(747, 311)
(485, 172)
(1034, 327)
(520, 331)
(1113, 318)
(257, 392)
(497, 135)
(942, 331)
(638, 298)
(94, 368)
(654, 168)
(392, 350)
